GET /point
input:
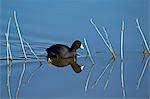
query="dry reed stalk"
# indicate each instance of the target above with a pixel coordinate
(32, 51)
(8, 31)
(90, 72)
(32, 73)
(107, 78)
(88, 50)
(148, 50)
(122, 60)
(20, 79)
(8, 69)
(109, 43)
(8, 62)
(9, 49)
(10, 53)
(88, 78)
(143, 71)
(96, 28)
(144, 53)
(103, 72)
(142, 34)
(19, 33)
(25, 56)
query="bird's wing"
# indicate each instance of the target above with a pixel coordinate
(63, 51)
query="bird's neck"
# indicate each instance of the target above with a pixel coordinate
(73, 48)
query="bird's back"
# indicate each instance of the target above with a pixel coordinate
(59, 51)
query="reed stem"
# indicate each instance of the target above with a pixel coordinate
(142, 34)
(96, 28)
(8, 62)
(90, 72)
(8, 69)
(148, 50)
(122, 58)
(143, 71)
(88, 78)
(19, 33)
(25, 56)
(109, 43)
(144, 53)
(32, 73)
(20, 79)
(103, 72)
(88, 50)
(32, 51)
(107, 78)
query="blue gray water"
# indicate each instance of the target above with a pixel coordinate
(47, 22)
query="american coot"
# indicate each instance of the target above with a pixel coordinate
(61, 55)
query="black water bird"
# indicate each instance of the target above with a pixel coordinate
(61, 55)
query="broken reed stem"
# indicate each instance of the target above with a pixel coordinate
(25, 56)
(109, 43)
(143, 58)
(107, 78)
(9, 49)
(32, 51)
(19, 33)
(143, 71)
(89, 74)
(32, 73)
(8, 30)
(122, 39)
(8, 63)
(88, 78)
(103, 72)
(8, 69)
(88, 50)
(148, 50)
(142, 34)
(10, 58)
(106, 34)
(144, 52)
(20, 79)
(122, 63)
(91, 20)
(10, 53)
(18, 58)
(122, 79)
(7, 52)
(80, 55)
(7, 37)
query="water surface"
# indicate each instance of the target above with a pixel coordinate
(47, 22)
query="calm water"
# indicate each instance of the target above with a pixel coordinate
(47, 22)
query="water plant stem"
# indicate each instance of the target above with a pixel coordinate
(20, 79)
(142, 34)
(91, 68)
(103, 72)
(96, 28)
(8, 52)
(122, 59)
(19, 33)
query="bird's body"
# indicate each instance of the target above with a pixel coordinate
(59, 50)
(61, 55)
